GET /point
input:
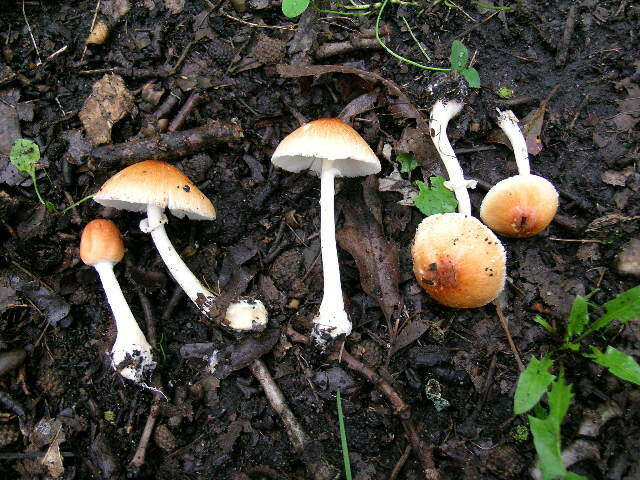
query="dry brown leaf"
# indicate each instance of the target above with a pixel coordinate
(108, 103)
(375, 256)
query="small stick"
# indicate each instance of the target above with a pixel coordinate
(139, 456)
(583, 102)
(13, 405)
(424, 453)
(177, 295)
(75, 216)
(332, 49)
(27, 455)
(194, 99)
(33, 40)
(93, 24)
(256, 25)
(318, 467)
(569, 25)
(166, 146)
(149, 318)
(505, 327)
(400, 463)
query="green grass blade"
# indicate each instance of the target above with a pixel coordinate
(343, 438)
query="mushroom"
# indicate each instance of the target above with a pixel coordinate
(523, 205)
(101, 247)
(152, 186)
(456, 259)
(329, 148)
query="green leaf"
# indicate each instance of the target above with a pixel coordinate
(343, 438)
(437, 199)
(459, 55)
(620, 364)
(407, 162)
(505, 93)
(24, 155)
(578, 316)
(293, 8)
(624, 307)
(546, 325)
(546, 433)
(472, 77)
(532, 384)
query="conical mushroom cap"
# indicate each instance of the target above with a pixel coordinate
(326, 139)
(156, 183)
(520, 206)
(458, 261)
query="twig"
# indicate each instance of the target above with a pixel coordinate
(139, 456)
(28, 455)
(194, 99)
(33, 40)
(505, 327)
(176, 296)
(149, 318)
(317, 466)
(93, 24)
(400, 463)
(400, 408)
(583, 102)
(166, 146)
(332, 49)
(576, 240)
(256, 25)
(569, 25)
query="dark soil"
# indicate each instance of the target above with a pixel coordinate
(266, 238)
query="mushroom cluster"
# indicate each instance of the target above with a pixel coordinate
(151, 187)
(456, 259)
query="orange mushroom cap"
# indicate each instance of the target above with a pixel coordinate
(101, 241)
(458, 261)
(520, 206)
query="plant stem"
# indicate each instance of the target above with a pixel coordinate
(343, 438)
(394, 54)
(88, 197)
(35, 187)
(424, 52)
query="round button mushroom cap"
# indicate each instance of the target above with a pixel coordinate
(101, 241)
(458, 261)
(156, 183)
(326, 139)
(520, 206)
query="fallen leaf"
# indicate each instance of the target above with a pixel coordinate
(617, 178)
(409, 334)
(54, 307)
(108, 103)
(358, 106)
(375, 256)
(9, 120)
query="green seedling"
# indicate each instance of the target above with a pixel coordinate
(519, 433)
(433, 391)
(109, 415)
(407, 162)
(459, 57)
(505, 93)
(343, 438)
(25, 156)
(434, 199)
(537, 380)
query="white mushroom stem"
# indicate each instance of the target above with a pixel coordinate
(441, 113)
(154, 224)
(332, 318)
(131, 345)
(508, 122)
(240, 316)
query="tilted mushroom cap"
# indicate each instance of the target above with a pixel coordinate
(156, 183)
(520, 206)
(101, 241)
(326, 139)
(458, 261)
